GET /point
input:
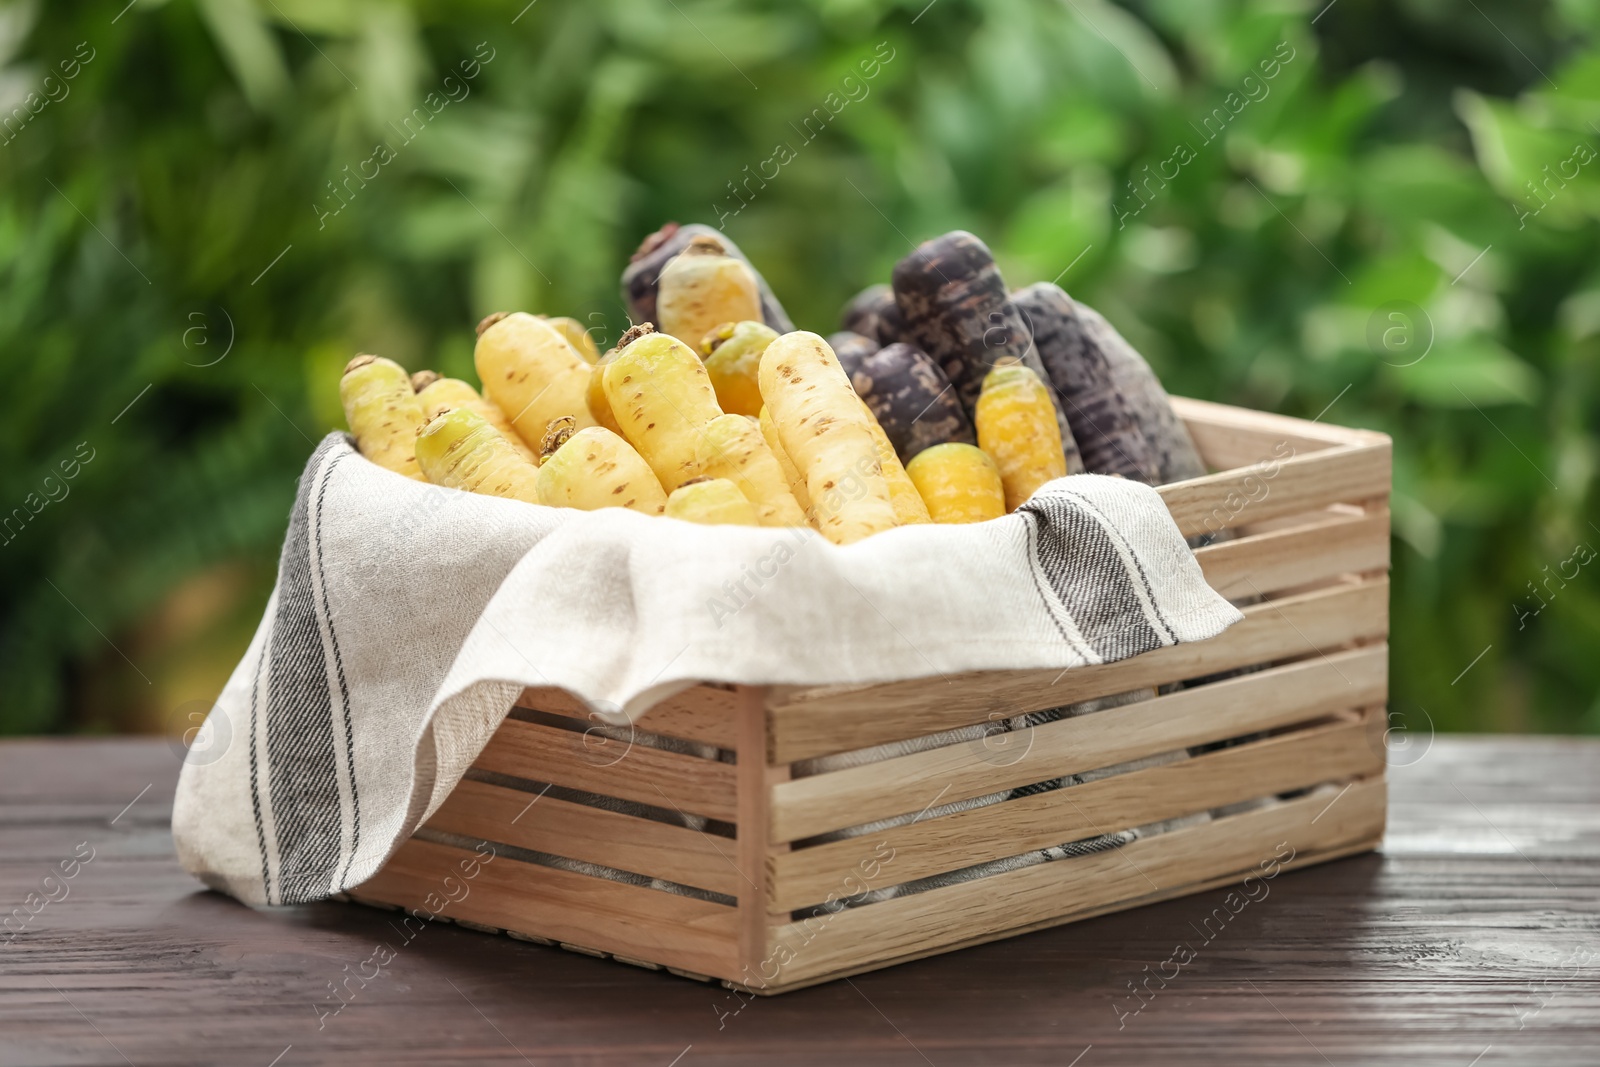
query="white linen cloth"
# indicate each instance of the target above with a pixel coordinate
(407, 618)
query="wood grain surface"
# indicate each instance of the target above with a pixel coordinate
(1471, 938)
(824, 719)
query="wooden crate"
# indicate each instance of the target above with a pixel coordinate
(707, 846)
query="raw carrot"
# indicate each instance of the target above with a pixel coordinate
(912, 399)
(959, 483)
(733, 360)
(643, 273)
(461, 450)
(1149, 403)
(791, 473)
(908, 506)
(593, 468)
(1105, 421)
(1017, 429)
(704, 287)
(851, 348)
(955, 308)
(662, 397)
(532, 373)
(827, 431)
(442, 394)
(577, 336)
(873, 313)
(383, 412)
(712, 502)
(732, 447)
(595, 395)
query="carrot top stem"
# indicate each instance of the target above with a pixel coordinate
(489, 320)
(556, 434)
(634, 333)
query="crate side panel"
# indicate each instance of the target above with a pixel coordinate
(595, 913)
(1329, 752)
(1306, 858)
(1224, 709)
(1153, 868)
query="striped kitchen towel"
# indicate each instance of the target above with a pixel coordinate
(407, 618)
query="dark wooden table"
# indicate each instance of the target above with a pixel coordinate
(1472, 938)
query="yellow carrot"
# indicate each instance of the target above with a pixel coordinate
(577, 336)
(731, 447)
(599, 405)
(733, 359)
(959, 483)
(594, 468)
(703, 287)
(1016, 423)
(662, 398)
(713, 502)
(791, 474)
(908, 506)
(441, 394)
(461, 450)
(827, 432)
(383, 412)
(532, 373)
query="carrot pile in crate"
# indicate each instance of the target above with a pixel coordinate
(945, 399)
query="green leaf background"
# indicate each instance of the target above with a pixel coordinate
(178, 296)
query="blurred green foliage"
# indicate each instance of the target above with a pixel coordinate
(179, 295)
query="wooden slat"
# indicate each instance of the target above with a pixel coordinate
(1151, 869)
(814, 722)
(1229, 437)
(1288, 558)
(607, 916)
(704, 713)
(1233, 707)
(612, 768)
(1329, 752)
(594, 835)
(1308, 518)
(1307, 858)
(1307, 482)
(756, 781)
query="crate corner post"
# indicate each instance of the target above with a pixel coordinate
(757, 776)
